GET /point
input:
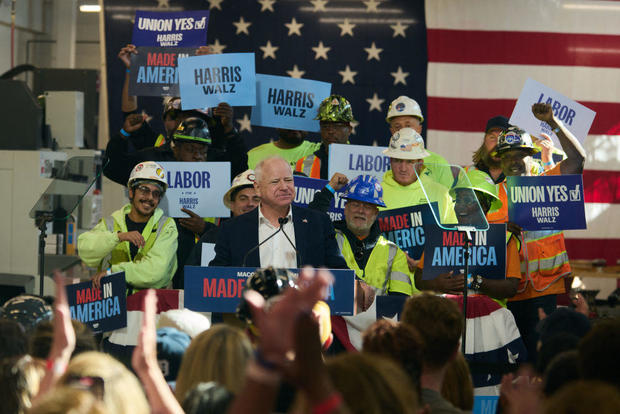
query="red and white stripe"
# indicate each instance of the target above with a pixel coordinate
(480, 54)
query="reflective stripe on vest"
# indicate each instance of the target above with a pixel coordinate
(310, 166)
(161, 140)
(121, 253)
(544, 259)
(393, 281)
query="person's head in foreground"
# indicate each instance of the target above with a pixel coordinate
(515, 149)
(274, 183)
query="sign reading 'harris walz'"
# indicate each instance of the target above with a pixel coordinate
(445, 251)
(218, 289)
(103, 309)
(154, 72)
(284, 102)
(170, 29)
(405, 227)
(552, 202)
(206, 81)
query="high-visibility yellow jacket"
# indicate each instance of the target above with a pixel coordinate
(155, 262)
(397, 196)
(386, 269)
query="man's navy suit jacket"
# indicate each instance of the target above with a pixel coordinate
(314, 239)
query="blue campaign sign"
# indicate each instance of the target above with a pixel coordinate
(196, 186)
(218, 289)
(405, 227)
(170, 29)
(205, 81)
(553, 202)
(289, 103)
(445, 251)
(153, 71)
(103, 309)
(305, 188)
(485, 404)
(353, 160)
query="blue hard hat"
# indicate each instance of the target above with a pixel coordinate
(366, 188)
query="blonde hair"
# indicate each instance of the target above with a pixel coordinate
(372, 384)
(20, 378)
(122, 390)
(219, 354)
(68, 400)
(457, 385)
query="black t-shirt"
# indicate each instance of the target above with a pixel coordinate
(133, 226)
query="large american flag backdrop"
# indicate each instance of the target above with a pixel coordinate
(463, 61)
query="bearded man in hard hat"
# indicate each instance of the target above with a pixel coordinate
(377, 261)
(137, 239)
(544, 261)
(335, 117)
(401, 185)
(405, 112)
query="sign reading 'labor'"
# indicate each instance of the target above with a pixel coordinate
(445, 251)
(306, 188)
(196, 186)
(103, 309)
(170, 29)
(353, 160)
(552, 202)
(576, 117)
(289, 103)
(153, 71)
(405, 227)
(205, 81)
(219, 289)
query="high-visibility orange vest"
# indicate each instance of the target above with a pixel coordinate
(310, 166)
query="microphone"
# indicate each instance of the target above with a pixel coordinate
(282, 221)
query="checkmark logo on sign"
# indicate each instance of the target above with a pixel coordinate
(575, 195)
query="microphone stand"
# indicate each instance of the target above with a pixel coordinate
(466, 230)
(283, 221)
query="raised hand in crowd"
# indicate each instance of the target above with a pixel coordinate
(63, 340)
(546, 153)
(125, 54)
(193, 223)
(338, 181)
(144, 362)
(225, 113)
(133, 122)
(521, 394)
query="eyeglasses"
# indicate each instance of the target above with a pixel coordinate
(147, 191)
(94, 385)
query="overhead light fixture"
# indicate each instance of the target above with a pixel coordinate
(90, 8)
(593, 6)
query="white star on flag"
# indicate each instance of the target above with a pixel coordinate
(242, 26)
(217, 47)
(347, 75)
(371, 6)
(373, 52)
(346, 28)
(319, 5)
(399, 76)
(399, 29)
(354, 125)
(163, 4)
(320, 51)
(269, 51)
(215, 4)
(244, 124)
(294, 27)
(266, 5)
(375, 103)
(295, 72)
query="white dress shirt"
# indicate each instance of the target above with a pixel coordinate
(277, 251)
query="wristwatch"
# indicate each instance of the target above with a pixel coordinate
(477, 282)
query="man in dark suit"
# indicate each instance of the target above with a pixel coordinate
(310, 232)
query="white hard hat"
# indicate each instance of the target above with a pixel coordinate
(246, 178)
(406, 144)
(148, 170)
(404, 106)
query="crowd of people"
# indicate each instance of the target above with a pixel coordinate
(284, 351)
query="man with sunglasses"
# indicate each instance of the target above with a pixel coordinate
(335, 117)
(137, 239)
